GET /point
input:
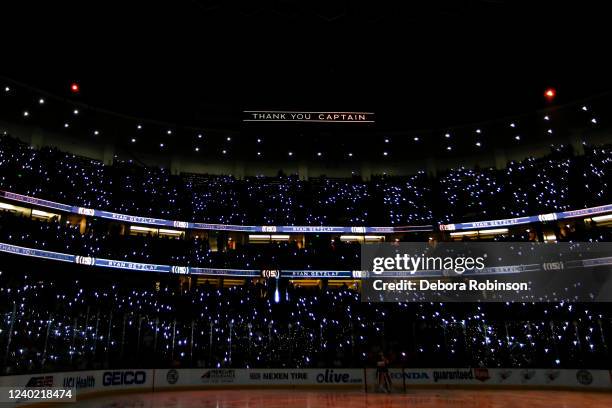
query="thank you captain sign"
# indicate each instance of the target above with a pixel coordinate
(314, 117)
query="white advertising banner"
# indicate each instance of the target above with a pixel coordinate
(258, 377)
(580, 378)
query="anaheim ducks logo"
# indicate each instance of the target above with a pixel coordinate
(172, 376)
(85, 260)
(527, 375)
(85, 211)
(584, 377)
(552, 375)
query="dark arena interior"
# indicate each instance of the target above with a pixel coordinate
(321, 204)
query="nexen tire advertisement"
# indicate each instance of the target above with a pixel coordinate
(322, 377)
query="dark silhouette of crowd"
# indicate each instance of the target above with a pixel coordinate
(102, 240)
(64, 319)
(556, 182)
(56, 317)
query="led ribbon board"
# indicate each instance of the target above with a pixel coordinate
(36, 253)
(508, 222)
(124, 265)
(135, 219)
(289, 274)
(313, 117)
(316, 274)
(173, 269)
(299, 229)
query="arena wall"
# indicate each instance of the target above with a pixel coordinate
(92, 383)
(580, 379)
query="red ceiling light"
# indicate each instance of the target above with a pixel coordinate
(74, 87)
(550, 94)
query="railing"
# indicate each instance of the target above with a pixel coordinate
(305, 229)
(295, 229)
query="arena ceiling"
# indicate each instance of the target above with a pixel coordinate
(417, 64)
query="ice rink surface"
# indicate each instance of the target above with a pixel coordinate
(417, 398)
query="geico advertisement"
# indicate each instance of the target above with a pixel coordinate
(83, 382)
